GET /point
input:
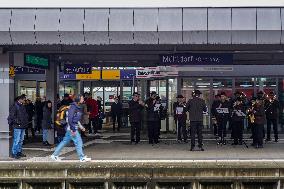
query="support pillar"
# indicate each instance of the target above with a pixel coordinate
(51, 94)
(7, 94)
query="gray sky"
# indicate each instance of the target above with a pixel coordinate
(139, 3)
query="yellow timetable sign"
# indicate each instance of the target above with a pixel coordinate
(96, 74)
(111, 74)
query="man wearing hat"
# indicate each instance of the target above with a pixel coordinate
(135, 108)
(196, 106)
(271, 106)
(152, 108)
(180, 116)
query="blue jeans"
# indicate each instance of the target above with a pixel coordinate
(44, 135)
(18, 139)
(77, 141)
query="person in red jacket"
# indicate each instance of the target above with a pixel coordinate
(92, 107)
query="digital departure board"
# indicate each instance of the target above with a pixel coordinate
(37, 61)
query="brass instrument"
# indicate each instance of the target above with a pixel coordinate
(251, 114)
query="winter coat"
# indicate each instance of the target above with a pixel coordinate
(196, 107)
(238, 113)
(74, 116)
(152, 110)
(46, 118)
(116, 109)
(18, 116)
(93, 108)
(271, 109)
(135, 110)
(259, 115)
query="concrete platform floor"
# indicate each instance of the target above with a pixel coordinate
(116, 146)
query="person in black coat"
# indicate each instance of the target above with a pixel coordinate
(116, 112)
(271, 107)
(152, 108)
(196, 106)
(223, 114)
(215, 104)
(18, 120)
(38, 114)
(259, 114)
(180, 115)
(135, 109)
(30, 111)
(46, 121)
(237, 118)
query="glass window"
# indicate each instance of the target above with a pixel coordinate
(28, 88)
(42, 89)
(222, 85)
(266, 84)
(245, 85)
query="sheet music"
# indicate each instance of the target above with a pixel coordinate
(157, 107)
(222, 110)
(179, 110)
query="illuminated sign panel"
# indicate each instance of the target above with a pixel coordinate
(36, 61)
(110, 74)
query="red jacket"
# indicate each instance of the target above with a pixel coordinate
(93, 108)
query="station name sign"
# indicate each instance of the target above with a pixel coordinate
(196, 59)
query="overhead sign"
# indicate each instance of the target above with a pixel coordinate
(36, 61)
(148, 72)
(95, 75)
(196, 59)
(77, 68)
(127, 74)
(63, 76)
(110, 74)
(27, 70)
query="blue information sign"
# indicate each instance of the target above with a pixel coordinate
(63, 76)
(27, 70)
(196, 59)
(127, 74)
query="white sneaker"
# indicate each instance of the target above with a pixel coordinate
(85, 159)
(55, 158)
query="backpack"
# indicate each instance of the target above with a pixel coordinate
(61, 121)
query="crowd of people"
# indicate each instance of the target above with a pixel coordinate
(85, 114)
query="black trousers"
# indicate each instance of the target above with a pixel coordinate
(135, 131)
(215, 129)
(237, 131)
(153, 131)
(38, 125)
(196, 128)
(222, 124)
(182, 130)
(118, 119)
(253, 126)
(93, 125)
(259, 134)
(275, 128)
